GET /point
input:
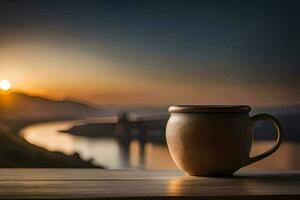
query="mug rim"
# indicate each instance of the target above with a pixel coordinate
(209, 109)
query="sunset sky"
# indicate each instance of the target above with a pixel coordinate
(153, 52)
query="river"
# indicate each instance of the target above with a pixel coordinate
(103, 151)
(106, 151)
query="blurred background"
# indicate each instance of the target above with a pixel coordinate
(88, 83)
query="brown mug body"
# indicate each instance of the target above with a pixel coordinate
(213, 140)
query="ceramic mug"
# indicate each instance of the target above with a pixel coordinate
(214, 140)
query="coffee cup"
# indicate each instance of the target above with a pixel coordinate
(214, 140)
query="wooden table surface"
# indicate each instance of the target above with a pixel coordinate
(139, 184)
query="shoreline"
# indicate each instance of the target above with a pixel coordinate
(15, 151)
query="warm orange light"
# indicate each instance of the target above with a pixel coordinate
(5, 85)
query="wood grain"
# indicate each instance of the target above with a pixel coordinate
(139, 184)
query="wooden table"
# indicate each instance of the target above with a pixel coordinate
(138, 184)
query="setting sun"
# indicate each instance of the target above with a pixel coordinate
(5, 85)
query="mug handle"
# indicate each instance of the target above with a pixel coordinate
(278, 127)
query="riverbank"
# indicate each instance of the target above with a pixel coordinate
(146, 129)
(103, 151)
(17, 152)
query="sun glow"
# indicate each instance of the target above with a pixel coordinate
(5, 85)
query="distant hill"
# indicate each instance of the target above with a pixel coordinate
(289, 117)
(19, 106)
(278, 110)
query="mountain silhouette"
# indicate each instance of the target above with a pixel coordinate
(20, 106)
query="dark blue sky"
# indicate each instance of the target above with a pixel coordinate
(236, 42)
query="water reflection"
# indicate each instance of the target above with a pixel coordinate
(48, 135)
(109, 153)
(106, 152)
